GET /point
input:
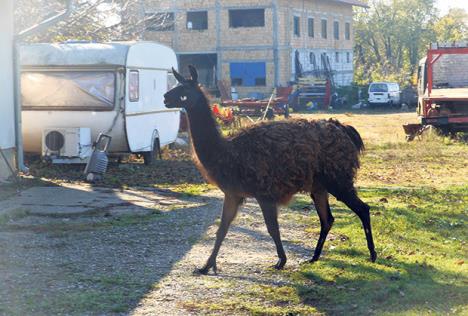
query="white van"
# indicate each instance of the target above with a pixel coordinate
(384, 93)
(72, 92)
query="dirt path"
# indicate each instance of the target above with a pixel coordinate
(245, 262)
(100, 261)
(132, 257)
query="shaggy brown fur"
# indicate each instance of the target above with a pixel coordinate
(271, 162)
(275, 160)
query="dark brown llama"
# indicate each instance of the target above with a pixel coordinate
(271, 162)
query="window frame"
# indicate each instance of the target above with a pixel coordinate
(336, 30)
(160, 28)
(324, 28)
(311, 27)
(204, 25)
(347, 31)
(41, 70)
(312, 59)
(297, 25)
(131, 74)
(231, 19)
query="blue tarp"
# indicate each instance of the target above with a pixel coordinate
(248, 72)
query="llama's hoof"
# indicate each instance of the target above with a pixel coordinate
(373, 256)
(203, 271)
(280, 264)
(206, 269)
(314, 258)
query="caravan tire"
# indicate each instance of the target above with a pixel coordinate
(149, 157)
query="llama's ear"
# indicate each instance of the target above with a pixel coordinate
(193, 73)
(178, 76)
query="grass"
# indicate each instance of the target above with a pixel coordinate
(13, 214)
(421, 240)
(418, 193)
(419, 197)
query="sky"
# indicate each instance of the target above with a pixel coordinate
(445, 5)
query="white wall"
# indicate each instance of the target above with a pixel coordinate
(7, 118)
(7, 127)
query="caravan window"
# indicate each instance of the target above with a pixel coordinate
(68, 90)
(134, 86)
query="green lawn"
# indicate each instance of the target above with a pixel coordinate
(418, 193)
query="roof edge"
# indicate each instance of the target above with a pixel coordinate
(356, 3)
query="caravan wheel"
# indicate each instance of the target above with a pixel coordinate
(149, 157)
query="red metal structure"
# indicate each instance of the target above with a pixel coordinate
(444, 102)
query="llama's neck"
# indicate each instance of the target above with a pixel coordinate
(207, 140)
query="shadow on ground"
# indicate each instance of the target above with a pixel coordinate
(131, 173)
(99, 256)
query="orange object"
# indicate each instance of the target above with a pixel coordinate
(216, 109)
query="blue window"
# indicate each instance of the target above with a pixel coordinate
(248, 74)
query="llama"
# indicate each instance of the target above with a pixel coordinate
(271, 162)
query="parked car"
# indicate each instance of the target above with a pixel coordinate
(384, 93)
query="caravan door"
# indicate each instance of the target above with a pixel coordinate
(146, 117)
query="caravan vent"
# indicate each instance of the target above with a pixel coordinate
(54, 141)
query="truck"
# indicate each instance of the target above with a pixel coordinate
(443, 88)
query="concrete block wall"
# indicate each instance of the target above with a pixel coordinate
(450, 69)
(259, 43)
(317, 10)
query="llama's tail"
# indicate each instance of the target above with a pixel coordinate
(355, 137)
(352, 133)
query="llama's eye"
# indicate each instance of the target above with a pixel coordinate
(183, 98)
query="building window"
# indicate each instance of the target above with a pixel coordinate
(247, 18)
(337, 57)
(348, 57)
(297, 26)
(336, 30)
(348, 30)
(324, 29)
(197, 20)
(163, 21)
(249, 74)
(310, 27)
(312, 60)
(323, 60)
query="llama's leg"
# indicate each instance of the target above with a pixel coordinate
(351, 200)
(230, 208)
(326, 220)
(270, 214)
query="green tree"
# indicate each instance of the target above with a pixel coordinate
(391, 37)
(452, 27)
(96, 20)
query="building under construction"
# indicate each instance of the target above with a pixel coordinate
(256, 45)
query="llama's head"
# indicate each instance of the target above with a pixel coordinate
(187, 94)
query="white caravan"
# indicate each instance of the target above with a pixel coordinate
(72, 92)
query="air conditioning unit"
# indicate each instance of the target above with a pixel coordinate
(60, 144)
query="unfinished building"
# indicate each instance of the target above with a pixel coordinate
(256, 45)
